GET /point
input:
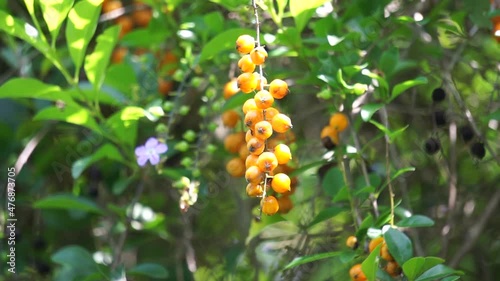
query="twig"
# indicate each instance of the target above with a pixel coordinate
(30, 147)
(123, 236)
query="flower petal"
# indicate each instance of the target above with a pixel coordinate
(161, 148)
(151, 142)
(154, 159)
(142, 159)
(140, 150)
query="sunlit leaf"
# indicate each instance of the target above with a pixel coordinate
(80, 28)
(413, 267)
(370, 264)
(307, 259)
(302, 11)
(97, 62)
(72, 113)
(54, 14)
(401, 87)
(223, 42)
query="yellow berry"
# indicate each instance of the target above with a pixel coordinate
(230, 118)
(281, 123)
(267, 162)
(263, 99)
(281, 183)
(236, 167)
(263, 130)
(253, 117)
(352, 242)
(253, 175)
(233, 141)
(245, 64)
(251, 160)
(278, 88)
(269, 205)
(283, 153)
(256, 146)
(249, 105)
(329, 137)
(230, 88)
(285, 204)
(254, 190)
(247, 82)
(258, 55)
(245, 44)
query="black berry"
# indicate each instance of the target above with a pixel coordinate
(477, 149)
(438, 95)
(431, 146)
(328, 143)
(466, 133)
(439, 118)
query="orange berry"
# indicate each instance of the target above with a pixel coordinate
(258, 55)
(230, 118)
(251, 160)
(230, 88)
(254, 190)
(245, 44)
(356, 273)
(249, 105)
(352, 242)
(283, 153)
(263, 99)
(118, 54)
(285, 204)
(281, 183)
(142, 14)
(269, 205)
(245, 64)
(256, 146)
(281, 123)
(243, 151)
(164, 86)
(393, 268)
(233, 141)
(236, 167)
(384, 253)
(270, 112)
(126, 25)
(329, 137)
(263, 130)
(247, 82)
(374, 243)
(278, 88)
(109, 6)
(267, 162)
(248, 135)
(253, 175)
(169, 63)
(339, 121)
(253, 117)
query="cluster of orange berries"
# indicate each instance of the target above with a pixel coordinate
(330, 133)
(140, 16)
(263, 151)
(391, 266)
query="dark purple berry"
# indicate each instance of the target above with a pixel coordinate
(328, 143)
(431, 146)
(438, 95)
(477, 149)
(439, 118)
(466, 133)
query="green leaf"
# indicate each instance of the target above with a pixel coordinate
(307, 259)
(401, 87)
(77, 263)
(389, 60)
(54, 14)
(223, 42)
(333, 181)
(145, 37)
(97, 62)
(151, 270)
(326, 214)
(107, 151)
(437, 272)
(231, 4)
(413, 267)
(399, 245)
(370, 265)
(72, 113)
(416, 221)
(22, 30)
(67, 202)
(80, 28)
(236, 101)
(302, 11)
(124, 124)
(369, 109)
(32, 88)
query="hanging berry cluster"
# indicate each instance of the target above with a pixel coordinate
(266, 150)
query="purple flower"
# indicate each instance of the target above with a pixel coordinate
(150, 151)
